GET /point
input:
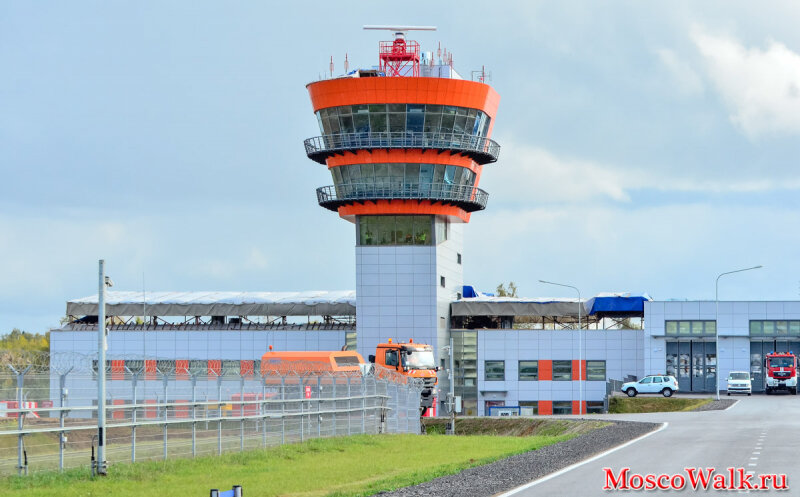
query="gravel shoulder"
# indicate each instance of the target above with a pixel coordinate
(503, 475)
(716, 405)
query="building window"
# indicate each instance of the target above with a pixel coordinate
(562, 371)
(458, 258)
(594, 407)
(528, 370)
(394, 230)
(458, 295)
(528, 407)
(596, 370)
(775, 328)
(401, 119)
(494, 370)
(231, 368)
(562, 406)
(690, 328)
(441, 281)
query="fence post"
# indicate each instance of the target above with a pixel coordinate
(319, 406)
(134, 399)
(302, 405)
(21, 457)
(335, 405)
(263, 410)
(363, 405)
(241, 413)
(283, 409)
(62, 386)
(219, 422)
(194, 414)
(165, 380)
(349, 405)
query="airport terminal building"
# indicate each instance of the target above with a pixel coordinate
(509, 352)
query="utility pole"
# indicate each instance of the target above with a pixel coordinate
(102, 345)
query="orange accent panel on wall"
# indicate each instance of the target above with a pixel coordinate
(576, 404)
(246, 368)
(182, 369)
(386, 207)
(214, 368)
(150, 369)
(546, 371)
(575, 370)
(437, 91)
(545, 407)
(117, 369)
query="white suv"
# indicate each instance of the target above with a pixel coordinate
(665, 385)
(740, 382)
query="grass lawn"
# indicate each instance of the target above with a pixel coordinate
(345, 466)
(624, 405)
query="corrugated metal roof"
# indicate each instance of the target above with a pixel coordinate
(314, 303)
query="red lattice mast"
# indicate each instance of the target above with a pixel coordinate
(400, 57)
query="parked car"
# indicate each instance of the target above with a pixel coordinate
(740, 382)
(665, 385)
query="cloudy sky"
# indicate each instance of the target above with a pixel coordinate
(645, 146)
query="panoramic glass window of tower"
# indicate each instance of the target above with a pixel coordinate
(405, 160)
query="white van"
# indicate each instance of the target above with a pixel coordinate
(740, 382)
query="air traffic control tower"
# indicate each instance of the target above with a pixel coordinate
(405, 143)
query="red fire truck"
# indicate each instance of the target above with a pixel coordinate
(781, 372)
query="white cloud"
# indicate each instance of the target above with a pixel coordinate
(760, 86)
(686, 79)
(533, 175)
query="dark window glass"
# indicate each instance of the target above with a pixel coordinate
(494, 370)
(528, 371)
(422, 230)
(596, 370)
(391, 358)
(562, 407)
(562, 370)
(404, 230)
(594, 407)
(529, 407)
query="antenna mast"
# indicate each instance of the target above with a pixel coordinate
(396, 56)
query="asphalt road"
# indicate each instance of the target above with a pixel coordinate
(759, 434)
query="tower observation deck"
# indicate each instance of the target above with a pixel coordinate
(408, 137)
(405, 143)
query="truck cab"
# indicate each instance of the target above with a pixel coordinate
(781, 370)
(410, 359)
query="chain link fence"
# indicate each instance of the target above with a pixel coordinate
(48, 408)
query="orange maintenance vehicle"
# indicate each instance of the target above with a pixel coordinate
(311, 361)
(411, 359)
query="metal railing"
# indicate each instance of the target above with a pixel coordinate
(481, 149)
(51, 415)
(467, 197)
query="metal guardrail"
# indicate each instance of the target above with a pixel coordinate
(481, 149)
(467, 197)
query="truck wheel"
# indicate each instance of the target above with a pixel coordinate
(768, 391)
(631, 392)
(667, 392)
(794, 390)
(729, 394)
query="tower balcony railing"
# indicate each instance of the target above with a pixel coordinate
(466, 197)
(481, 149)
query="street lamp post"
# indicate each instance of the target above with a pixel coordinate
(580, 343)
(716, 312)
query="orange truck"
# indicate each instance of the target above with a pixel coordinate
(311, 361)
(411, 359)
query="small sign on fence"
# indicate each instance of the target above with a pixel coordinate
(308, 391)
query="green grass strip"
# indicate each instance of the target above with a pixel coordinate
(348, 466)
(625, 405)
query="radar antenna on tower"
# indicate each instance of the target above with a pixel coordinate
(396, 56)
